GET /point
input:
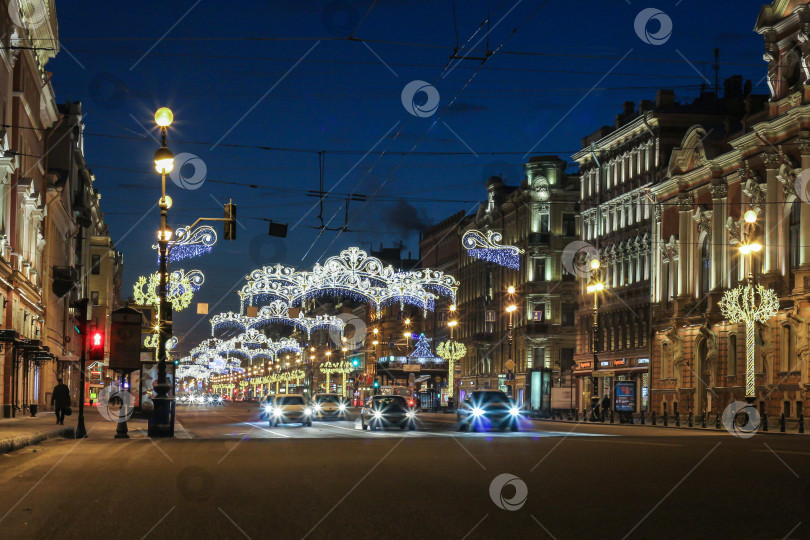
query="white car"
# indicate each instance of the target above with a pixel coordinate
(329, 406)
(289, 408)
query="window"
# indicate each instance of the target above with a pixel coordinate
(543, 223)
(94, 297)
(539, 355)
(705, 266)
(540, 269)
(569, 225)
(490, 315)
(95, 264)
(567, 314)
(795, 225)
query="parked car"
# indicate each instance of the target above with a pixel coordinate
(290, 408)
(387, 411)
(328, 406)
(484, 409)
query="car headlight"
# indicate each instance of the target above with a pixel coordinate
(220, 399)
(276, 412)
(342, 407)
(307, 411)
(477, 411)
(514, 411)
(410, 414)
(317, 407)
(268, 409)
(377, 415)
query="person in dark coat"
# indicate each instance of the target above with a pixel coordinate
(60, 399)
(605, 407)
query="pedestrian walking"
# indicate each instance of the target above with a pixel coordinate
(60, 400)
(605, 406)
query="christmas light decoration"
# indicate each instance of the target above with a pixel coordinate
(422, 349)
(276, 312)
(749, 304)
(343, 367)
(189, 244)
(182, 286)
(451, 351)
(487, 248)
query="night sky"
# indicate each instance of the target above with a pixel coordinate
(282, 75)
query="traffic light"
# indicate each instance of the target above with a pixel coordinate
(355, 362)
(97, 345)
(376, 383)
(176, 361)
(230, 221)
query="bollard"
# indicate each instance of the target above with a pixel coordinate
(677, 419)
(653, 418)
(703, 420)
(642, 418)
(801, 423)
(764, 421)
(666, 420)
(689, 419)
(717, 421)
(782, 423)
(611, 416)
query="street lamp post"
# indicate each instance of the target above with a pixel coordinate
(749, 303)
(161, 424)
(595, 288)
(510, 309)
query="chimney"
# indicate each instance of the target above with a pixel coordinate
(629, 108)
(645, 105)
(733, 86)
(665, 98)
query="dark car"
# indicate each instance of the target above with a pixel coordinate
(484, 409)
(387, 411)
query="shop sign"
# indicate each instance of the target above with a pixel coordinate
(585, 365)
(622, 362)
(643, 361)
(604, 363)
(411, 367)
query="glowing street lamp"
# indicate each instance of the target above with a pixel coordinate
(749, 303)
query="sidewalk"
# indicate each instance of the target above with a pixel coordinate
(22, 431)
(16, 433)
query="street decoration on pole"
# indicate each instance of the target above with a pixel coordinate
(182, 286)
(191, 243)
(748, 304)
(487, 247)
(342, 367)
(451, 351)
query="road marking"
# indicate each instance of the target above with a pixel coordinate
(267, 430)
(792, 452)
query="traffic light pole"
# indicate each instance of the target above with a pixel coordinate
(81, 431)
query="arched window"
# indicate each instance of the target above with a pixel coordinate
(795, 225)
(731, 363)
(705, 266)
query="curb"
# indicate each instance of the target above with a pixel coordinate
(659, 426)
(21, 441)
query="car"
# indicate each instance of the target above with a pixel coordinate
(328, 406)
(290, 408)
(484, 409)
(387, 411)
(265, 406)
(216, 399)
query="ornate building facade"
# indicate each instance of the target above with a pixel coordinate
(620, 167)
(539, 218)
(698, 357)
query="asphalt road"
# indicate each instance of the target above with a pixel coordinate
(238, 478)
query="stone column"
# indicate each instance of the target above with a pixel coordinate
(719, 245)
(685, 205)
(804, 184)
(771, 222)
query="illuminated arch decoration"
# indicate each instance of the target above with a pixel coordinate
(151, 342)
(182, 286)
(277, 312)
(487, 247)
(342, 367)
(354, 274)
(189, 244)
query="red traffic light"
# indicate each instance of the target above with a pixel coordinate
(97, 345)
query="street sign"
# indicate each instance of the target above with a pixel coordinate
(457, 370)
(411, 367)
(125, 339)
(509, 365)
(510, 376)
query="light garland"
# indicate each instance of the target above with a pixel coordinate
(181, 288)
(749, 304)
(488, 248)
(191, 244)
(451, 351)
(276, 312)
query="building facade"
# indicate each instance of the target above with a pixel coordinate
(539, 218)
(699, 359)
